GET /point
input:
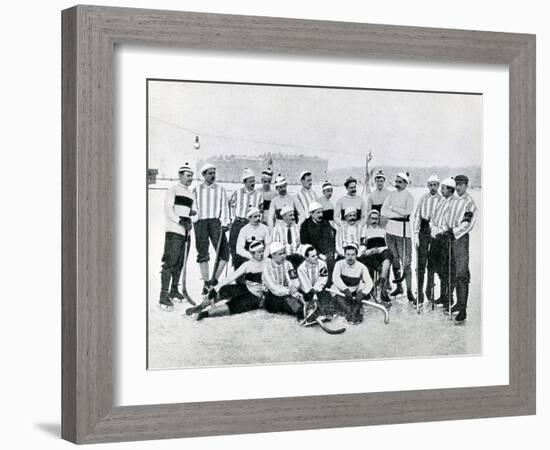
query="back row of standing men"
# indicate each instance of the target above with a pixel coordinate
(383, 227)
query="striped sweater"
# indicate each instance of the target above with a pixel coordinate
(426, 209)
(211, 203)
(312, 276)
(242, 200)
(277, 278)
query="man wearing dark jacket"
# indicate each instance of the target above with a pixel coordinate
(318, 233)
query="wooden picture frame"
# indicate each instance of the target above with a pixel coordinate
(89, 37)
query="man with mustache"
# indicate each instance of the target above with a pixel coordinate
(282, 199)
(398, 208)
(350, 200)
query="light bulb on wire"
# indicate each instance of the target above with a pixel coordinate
(197, 144)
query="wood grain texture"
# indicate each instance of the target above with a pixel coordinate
(89, 36)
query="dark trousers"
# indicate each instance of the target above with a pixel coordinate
(240, 298)
(284, 305)
(443, 263)
(422, 255)
(206, 231)
(236, 259)
(461, 257)
(172, 259)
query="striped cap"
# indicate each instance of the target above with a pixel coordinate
(256, 245)
(247, 173)
(404, 176)
(304, 174)
(185, 168)
(380, 174)
(267, 173)
(280, 181)
(251, 211)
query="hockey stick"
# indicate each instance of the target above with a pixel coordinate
(217, 260)
(186, 246)
(449, 282)
(366, 302)
(418, 287)
(319, 321)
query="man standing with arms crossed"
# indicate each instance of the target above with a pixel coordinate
(398, 207)
(211, 225)
(178, 209)
(424, 212)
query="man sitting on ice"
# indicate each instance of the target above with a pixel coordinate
(282, 284)
(351, 284)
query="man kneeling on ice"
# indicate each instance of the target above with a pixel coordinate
(313, 276)
(242, 298)
(351, 284)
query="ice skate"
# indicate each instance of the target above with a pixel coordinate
(165, 303)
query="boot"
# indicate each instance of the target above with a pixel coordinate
(175, 295)
(462, 289)
(444, 294)
(410, 296)
(420, 296)
(397, 291)
(164, 301)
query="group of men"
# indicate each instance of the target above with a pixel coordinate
(299, 254)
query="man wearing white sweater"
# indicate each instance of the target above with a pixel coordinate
(178, 209)
(398, 207)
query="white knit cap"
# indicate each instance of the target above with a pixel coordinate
(449, 182)
(185, 168)
(350, 245)
(251, 211)
(275, 247)
(350, 210)
(304, 173)
(247, 173)
(373, 211)
(327, 185)
(206, 167)
(314, 206)
(286, 209)
(280, 181)
(380, 174)
(433, 179)
(403, 176)
(304, 248)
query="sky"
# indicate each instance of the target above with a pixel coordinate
(400, 128)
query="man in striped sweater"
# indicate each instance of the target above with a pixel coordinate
(462, 221)
(398, 208)
(287, 233)
(239, 204)
(282, 284)
(349, 231)
(439, 259)
(424, 212)
(211, 225)
(305, 196)
(282, 199)
(178, 209)
(266, 192)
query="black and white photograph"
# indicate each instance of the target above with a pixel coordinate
(298, 224)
